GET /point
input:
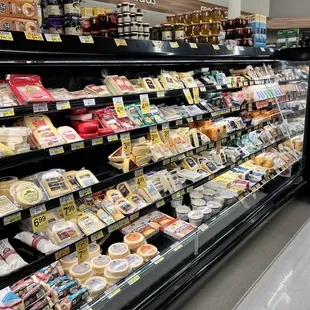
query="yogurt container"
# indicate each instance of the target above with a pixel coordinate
(196, 195)
(182, 212)
(199, 189)
(229, 198)
(220, 200)
(215, 206)
(198, 203)
(195, 217)
(208, 194)
(177, 202)
(207, 213)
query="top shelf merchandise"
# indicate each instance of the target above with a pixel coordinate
(108, 171)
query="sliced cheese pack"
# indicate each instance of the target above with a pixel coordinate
(118, 250)
(70, 177)
(105, 217)
(96, 285)
(109, 206)
(137, 201)
(125, 206)
(149, 84)
(89, 223)
(167, 81)
(37, 120)
(69, 134)
(189, 163)
(116, 85)
(124, 188)
(99, 264)
(6, 206)
(150, 192)
(114, 195)
(46, 136)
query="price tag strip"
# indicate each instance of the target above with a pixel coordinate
(126, 143)
(86, 39)
(119, 107)
(77, 146)
(68, 207)
(140, 179)
(52, 37)
(12, 218)
(96, 236)
(82, 250)
(34, 36)
(56, 150)
(145, 103)
(6, 112)
(40, 107)
(39, 222)
(6, 36)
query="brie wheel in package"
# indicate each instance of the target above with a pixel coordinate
(118, 250)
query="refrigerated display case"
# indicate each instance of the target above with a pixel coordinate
(202, 144)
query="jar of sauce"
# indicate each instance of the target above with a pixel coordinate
(112, 33)
(206, 29)
(86, 25)
(170, 19)
(179, 32)
(126, 18)
(178, 19)
(206, 16)
(72, 8)
(134, 27)
(73, 27)
(216, 27)
(146, 27)
(101, 22)
(217, 14)
(125, 7)
(132, 17)
(239, 33)
(204, 39)
(54, 8)
(188, 29)
(166, 32)
(120, 19)
(196, 29)
(134, 35)
(132, 8)
(120, 29)
(214, 39)
(195, 39)
(56, 25)
(196, 17)
(187, 18)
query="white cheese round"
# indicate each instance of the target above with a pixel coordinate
(118, 250)
(99, 264)
(96, 285)
(93, 250)
(81, 271)
(118, 268)
(68, 261)
(147, 251)
(135, 261)
(134, 240)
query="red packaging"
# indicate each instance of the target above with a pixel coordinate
(28, 88)
(92, 121)
(88, 135)
(88, 128)
(79, 111)
(107, 120)
(105, 131)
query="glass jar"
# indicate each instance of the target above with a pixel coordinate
(56, 25)
(44, 9)
(188, 29)
(73, 27)
(225, 24)
(120, 28)
(196, 17)
(133, 27)
(120, 19)
(248, 42)
(230, 34)
(139, 17)
(126, 18)
(206, 16)
(187, 18)
(179, 32)
(238, 22)
(72, 8)
(216, 27)
(239, 33)
(156, 33)
(146, 36)
(239, 42)
(214, 39)
(170, 19)
(196, 29)
(248, 32)
(178, 19)
(126, 35)
(119, 8)
(146, 27)
(126, 27)
(244, 22)
(206, 29)
(54, 8)
(166, 32)
(204, 39)
(132, 17)
(231, 23)
(102, 22)
(217, 14)
(134, 35)
(125, 7)
(132, 8)
(140, 36)
(195, 39)
(140, 27)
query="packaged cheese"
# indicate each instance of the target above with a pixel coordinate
(118, 250)
(116, 85)
(135, 261)
(118, 268)
(125, 206)
(147, 251)
(81, 271)
(46, 136)
(69, 134)
(93, 250)
(105, 217)
(35, 121)
(27, 194)
(178, 229)
(68, 261)
(134, 240)
(85, 178)
(5, 184)
(148, 84)
(137, 201)
(167, 81)
(124, 188)
(99, 264)
(109, 206)
(96, 285)
(157, 219)
(5, 151)
(89, 223)
(114, 194)
(70, 177)
(6, 206)
(140, 227)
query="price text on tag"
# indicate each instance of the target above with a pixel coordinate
(40, 107)
(52, 37)
(34, 36)
(155, 138)
(140, 179)
(6, 36)
(119, 107)
(82, 250)
(196, 94)
(63, 105)
(174, 44)
(86, 39)
(120, 42)
(39, 222)
(68, 207)
(126, 143)
(145, 103)
(188, 96)
(6, 112)
(166, 131)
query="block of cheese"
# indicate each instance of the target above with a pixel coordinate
(46, 136)
(147, 251)
(81, 271)
(189, 82)
(194, 137)
(96, 285)
(6, 206)
(28, 194)
(93, 250)
(69, 134)
(158, 84)
(105, 217)
(5, 151)
(137, 201)
(167, 81)
(55, 184)
(37, 120)
(12, 188)
(125, 206)
(118, 250)
(149, 84)
(189, 163)
(156, 153)
(139, 150)
(85, 178)
(127, 83)
(164, 150)
(116, 85)
(150, 192)
(70, 177)
(134, 240)
(114, 194)
(89, 223)
(99, 264)
(135, 261)
(124, 188)
(129, 165)
(118, 268)
(109, 206)
(68, 261)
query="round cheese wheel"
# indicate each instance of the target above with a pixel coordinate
(118, 250)
(134, 240)
(135, 261)
(93, 250)
(147, 251)
(118, 268)
(68, 261)
(96, 285)
(28, 195)
(110, 278)
(99, 263)
(88, 128)
(15, 185)
(5, 184)
(81, 271)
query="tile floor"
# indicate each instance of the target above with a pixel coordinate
(223, 287)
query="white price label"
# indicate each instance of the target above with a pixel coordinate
(7, 112)
(112, 138)
(89, 102)
(52, 37)
(77, 146)
(63, 105)
(40, 107)
(12, 218)
(86, 39)
(97, 141)
(56, 150)
(38, 209)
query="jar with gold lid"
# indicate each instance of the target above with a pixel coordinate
(166, 32)
(196, 17)
(214, 39)
(206, 29)
(204, 39)
(225, 24)
(216, 27)
(188, 29)
(217, 14)
(196, 29)
(187, 18)
(179, 32)
(178, 19)
(170, 19)
(206, 16)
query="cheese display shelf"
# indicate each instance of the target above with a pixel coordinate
(119, 180)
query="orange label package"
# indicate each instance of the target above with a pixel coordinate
(18, 24)
(20, 9)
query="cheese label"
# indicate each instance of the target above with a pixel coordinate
(199, 117)
(193, 45)
(119, 107)
(68, 207)
(7, 112)
(112, 138)
(96, 236)
(82, 250)
(77, 146)
(155, 138)
(190, 119)
(62, 253)
(160, 94)
(6, 36)
(86, 39)
(40, 107)
(126, 143)
(89, 102)
(140, 179)
(203, 227)
(113, 227)
(97, 141)
(134, 216)
(36, 36)
(166, 131)
(12, 218)
(216, 47)
(120, 42)
(63, 105)
(52, 37)
(196, 94)
(37, 210)
(56, 150)
(174, 44)
(188, 96)
(85, 192)
(160, 203)
(39, 222)
(145, 103)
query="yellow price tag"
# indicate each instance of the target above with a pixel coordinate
(7, 112)
(52, 37)
(77, 146)
(140, 179)
(174, 44)
(34, 36)
(63, 105)
(188, 96)
(56, 150)
(166, 131)
(157, 44)
(6, 36)
(62, 253)
(68, 207)
(120, 42)
(196, 94)
(216, 47)
(82, 250)
(39, 222)
(126, 143)
(193, 45)
(145, 103)
(86, 39)
(97, 235)
(119, 107)
(155, 138)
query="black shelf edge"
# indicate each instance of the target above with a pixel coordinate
(293, 54)
(45, 260)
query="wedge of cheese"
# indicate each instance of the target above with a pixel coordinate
(69, 134)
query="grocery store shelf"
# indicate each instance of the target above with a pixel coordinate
(45, 260)
(293, 54)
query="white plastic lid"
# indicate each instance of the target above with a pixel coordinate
(205, 210)
(182, 209)
(209, 192)
(196, 195)
(198, 202)
(214, 205)
(195, 215)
